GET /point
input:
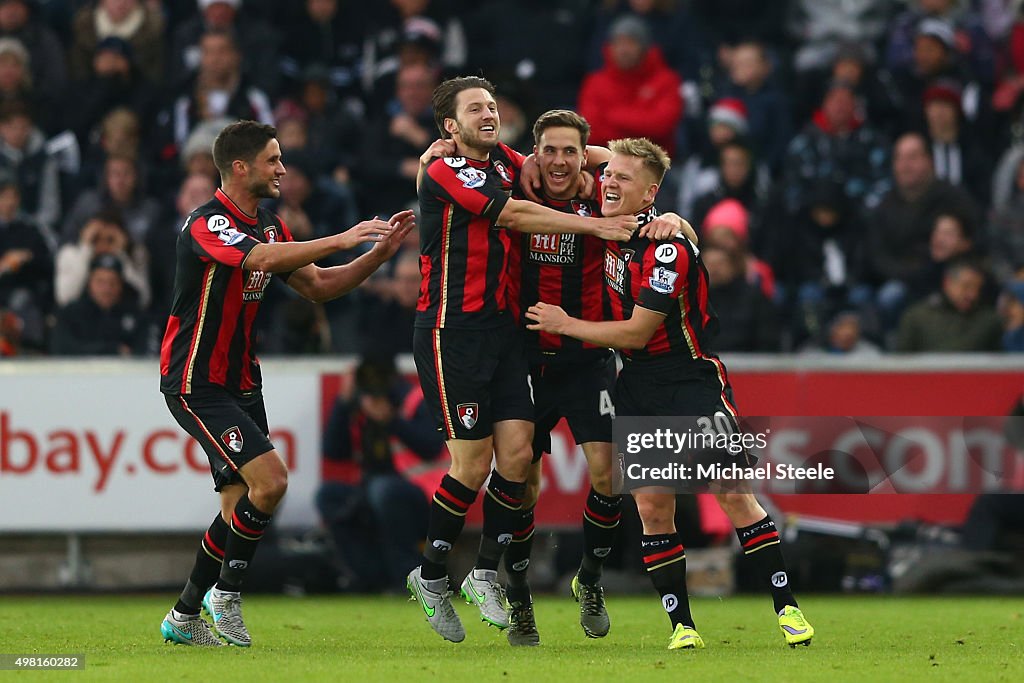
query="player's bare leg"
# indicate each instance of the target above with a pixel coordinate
(762, 549)
(665, 561)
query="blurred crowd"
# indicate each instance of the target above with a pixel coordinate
(855, 168)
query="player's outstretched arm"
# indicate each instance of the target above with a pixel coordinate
(285, 257)
(525, 216)
(323, 284)
(617, 334)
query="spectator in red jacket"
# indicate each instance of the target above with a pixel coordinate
(635, 94)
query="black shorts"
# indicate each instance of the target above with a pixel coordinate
(231, 429)
(473, 378)
(640, 392)
(579, 392)
(704, 396)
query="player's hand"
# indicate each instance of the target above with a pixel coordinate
(614, 228)
(438, 148)
(529, 179)
(666, 226)
(547, 318)
(401, 224)
(374, 230)
(586, 185)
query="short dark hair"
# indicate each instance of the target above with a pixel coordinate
(561, 118)
(445, 94)
(241, 140)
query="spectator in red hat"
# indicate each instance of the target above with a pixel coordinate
(703, 176)
(636, 94)
(959, 159)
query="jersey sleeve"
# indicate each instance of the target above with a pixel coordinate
(214, 238)
(663, 274)
(286, 236)
(465, 186)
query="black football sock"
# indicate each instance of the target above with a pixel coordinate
(517, 557)
(501, 510)
(248, 524)
(206, 568)
(762, 550)
(447, 517)
(600, 526)
(665, 561)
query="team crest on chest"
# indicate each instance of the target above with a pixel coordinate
(270, 232)
(503, 172)
(581, 208)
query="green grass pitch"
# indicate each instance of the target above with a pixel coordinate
(968, 640)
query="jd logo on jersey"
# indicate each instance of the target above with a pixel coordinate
(468, 413)
(232, 438)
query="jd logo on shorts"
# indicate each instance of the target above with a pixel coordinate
(232, 438)
(467, 414)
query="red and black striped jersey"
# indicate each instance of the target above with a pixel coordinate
(208, 340)
(667, 277)
(463, 253)
(562, 269)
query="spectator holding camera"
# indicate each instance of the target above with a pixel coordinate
(103, 233)
(378, 522)
(103, 321)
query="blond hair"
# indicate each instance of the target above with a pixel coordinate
(654, 158)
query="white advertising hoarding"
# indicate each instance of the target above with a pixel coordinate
(91, 446)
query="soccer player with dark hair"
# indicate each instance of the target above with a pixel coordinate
(468, 352)
(228, 250)
(570, 379)
(661, 322)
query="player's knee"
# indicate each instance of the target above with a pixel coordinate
(269, 490)
(471, 472)
(601, 481)
(739, 505)
(656, 514)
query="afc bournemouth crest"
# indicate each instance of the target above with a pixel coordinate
(232, 438)
(467, 414)
(581, 209)
(502, 171)
(271, 233)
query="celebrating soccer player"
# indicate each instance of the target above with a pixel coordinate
(661, 322)
(228, 251)
(468, 353)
